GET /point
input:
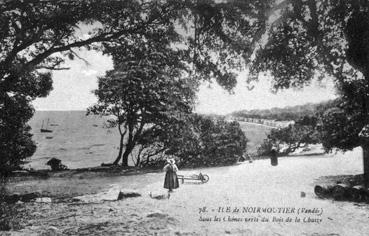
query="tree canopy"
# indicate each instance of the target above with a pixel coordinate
(315, 39)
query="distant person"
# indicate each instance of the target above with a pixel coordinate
(274, 157)
(171, 179)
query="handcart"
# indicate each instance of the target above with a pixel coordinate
(204, 178)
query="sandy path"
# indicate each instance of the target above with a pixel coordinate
(261, 185)
(247, 185)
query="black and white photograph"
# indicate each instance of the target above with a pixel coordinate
(184, 117)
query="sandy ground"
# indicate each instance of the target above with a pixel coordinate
(245, 187)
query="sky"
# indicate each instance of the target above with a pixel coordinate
(73, 90)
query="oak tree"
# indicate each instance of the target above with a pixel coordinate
(145, 91)
(312, 39)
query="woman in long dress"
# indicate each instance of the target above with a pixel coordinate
(274, 157)
(171, 179)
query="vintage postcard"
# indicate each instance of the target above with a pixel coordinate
(184, 117)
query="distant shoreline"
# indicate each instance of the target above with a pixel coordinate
(59, 110)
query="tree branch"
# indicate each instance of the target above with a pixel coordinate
(100, 38)
(52, 68)
(79, 57)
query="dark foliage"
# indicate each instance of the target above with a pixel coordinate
(208, 142)
(195, 141)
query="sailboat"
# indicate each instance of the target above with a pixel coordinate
(45, 130)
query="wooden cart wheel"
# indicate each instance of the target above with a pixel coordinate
(205, 178)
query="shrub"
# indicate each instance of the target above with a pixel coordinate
(209, 142)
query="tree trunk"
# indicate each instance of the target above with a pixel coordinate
(365, 147)
(120, 150)
(126, 155)
(138, 161)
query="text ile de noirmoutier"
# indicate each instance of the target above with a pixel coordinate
(261, 214)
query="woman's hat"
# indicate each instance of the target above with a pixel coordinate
(171, 160)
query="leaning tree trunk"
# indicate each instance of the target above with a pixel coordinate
(131, 142)
(126, 154)
(121, 144)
